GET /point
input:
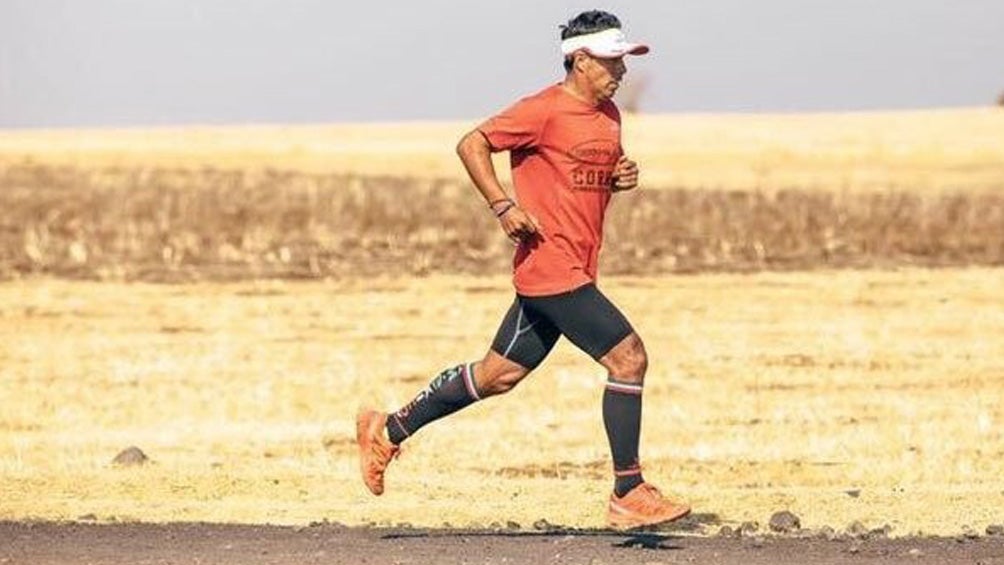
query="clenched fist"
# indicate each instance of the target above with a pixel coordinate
(625, 174)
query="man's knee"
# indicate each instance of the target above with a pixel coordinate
(627, 361)
(497, 375)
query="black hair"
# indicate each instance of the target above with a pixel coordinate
(585, 23)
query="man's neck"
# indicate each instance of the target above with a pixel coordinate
(579, 89)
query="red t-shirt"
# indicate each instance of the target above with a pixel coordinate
(562, 152)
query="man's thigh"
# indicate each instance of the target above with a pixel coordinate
(525, 336)
(585, 316)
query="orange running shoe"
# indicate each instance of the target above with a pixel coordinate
(643, 505)
(375, 450)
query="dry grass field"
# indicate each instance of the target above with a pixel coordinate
(719, 193)
(820, 295)
(843, 396)
(183, 225)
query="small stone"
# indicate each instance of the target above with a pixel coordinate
(130, 457)
(853, 493)
(914, 552)
(748, 528)
(826, 533)
(510, 525)
(726, 532)
(880, 533)
(969, 532)
(855, 547)
(857, 530)
(784, 522)
(89, 517)
(325, 523)
(995, 530)
(543, 525)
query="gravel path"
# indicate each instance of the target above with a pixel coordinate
(46, 543)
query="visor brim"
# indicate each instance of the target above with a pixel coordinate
(630, 49)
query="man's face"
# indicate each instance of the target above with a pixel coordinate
(604, 75)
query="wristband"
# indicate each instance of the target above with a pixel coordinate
(509, 206)
(494, 205)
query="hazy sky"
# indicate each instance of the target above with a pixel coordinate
(150, 62)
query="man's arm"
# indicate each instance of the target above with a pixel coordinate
(476, 154)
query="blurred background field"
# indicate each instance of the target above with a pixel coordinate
(820, 295)
(720, 193)
(919, 150)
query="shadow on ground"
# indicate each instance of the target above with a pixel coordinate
(660, 537)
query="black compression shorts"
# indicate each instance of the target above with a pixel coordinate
(585, 316)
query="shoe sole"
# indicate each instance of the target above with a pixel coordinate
(364, 421)
(626, 523)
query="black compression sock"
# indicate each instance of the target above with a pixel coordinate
(450, 391)
(622, 420)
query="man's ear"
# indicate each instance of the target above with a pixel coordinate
(579, 60)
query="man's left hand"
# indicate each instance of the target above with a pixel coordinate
(625, 174)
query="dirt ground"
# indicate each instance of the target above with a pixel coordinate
(50, 543)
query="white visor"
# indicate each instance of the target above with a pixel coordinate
(606, 44)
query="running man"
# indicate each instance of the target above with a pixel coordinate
(566, 159)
